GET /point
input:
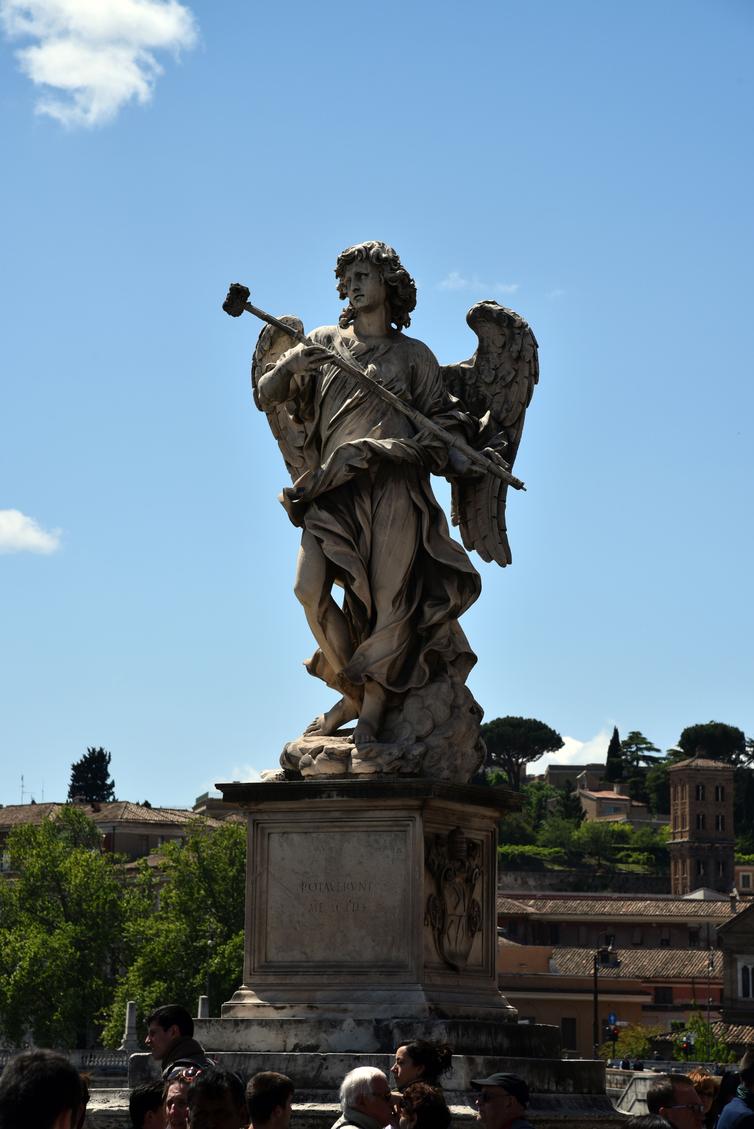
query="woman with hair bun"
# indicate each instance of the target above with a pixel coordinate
(421, 1061)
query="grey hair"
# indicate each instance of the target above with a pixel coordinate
(356, 1087)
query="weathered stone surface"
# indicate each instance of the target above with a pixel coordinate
(370, 904)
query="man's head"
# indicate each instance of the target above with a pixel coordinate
(674, 1098)
(176, 1103)
(269, 1099)
(366, 1090)
(217, 1100)
(500, 1099)
(42, 1089)
(145, 1106)
(165, 1026)
(746, 1070)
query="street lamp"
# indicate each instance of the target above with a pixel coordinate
(600, 958)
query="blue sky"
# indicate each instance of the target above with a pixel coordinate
(589, 164)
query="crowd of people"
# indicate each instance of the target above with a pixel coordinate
(700, 1100)
(41, 1089)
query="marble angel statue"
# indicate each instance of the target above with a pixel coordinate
(391, 646)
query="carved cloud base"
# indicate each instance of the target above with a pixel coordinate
(369, 903)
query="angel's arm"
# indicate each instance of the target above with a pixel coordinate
(274, 386)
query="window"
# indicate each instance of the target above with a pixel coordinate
(665, 937)
(719, 823)
(700, 791)
(720, 793)
(746, 981)
(721, 870)
(699, 868)
(694, 938)
(664, 996)
(746, 880)
(568, 1033)
(700, 821)
(638, 937)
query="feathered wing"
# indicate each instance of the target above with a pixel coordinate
(287, 427)
(495, 386)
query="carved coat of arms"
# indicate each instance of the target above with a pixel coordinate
(453, 912)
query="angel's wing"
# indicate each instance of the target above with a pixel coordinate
(287, 427)
(496, 386)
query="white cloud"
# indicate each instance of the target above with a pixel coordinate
(22, 534)
(593, 751)
(245, 773)
(95, 55)
(456, 281)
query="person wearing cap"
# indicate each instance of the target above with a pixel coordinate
(501, 1101)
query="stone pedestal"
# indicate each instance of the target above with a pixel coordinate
(370, 910)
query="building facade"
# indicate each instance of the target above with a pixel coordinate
(702, 843)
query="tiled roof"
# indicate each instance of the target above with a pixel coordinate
(606, 795)
(611, 906)
(637, 964)
(119, 811)
(734, 1032)
(700, 762)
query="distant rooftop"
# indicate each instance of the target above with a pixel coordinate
(609, 906)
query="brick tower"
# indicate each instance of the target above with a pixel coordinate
(701, 844)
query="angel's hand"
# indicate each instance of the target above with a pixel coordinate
(461, 466)
(304, 360)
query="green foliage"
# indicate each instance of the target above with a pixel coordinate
(568, 806)
(513, 742)
(716, 740)
(599, 841)
(637, 750)
(90, 777)
(515, 828)
(514, 857)
(701, 1042)
(558, 832)
(614, 759)
(539, 799)
(61, 919)
(192, 938)
(634, 1042)
(657, 783)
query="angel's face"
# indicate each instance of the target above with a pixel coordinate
(364, 286)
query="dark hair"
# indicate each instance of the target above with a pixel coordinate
(35, 1088)
(746, 1068)
(265, 1092)
(427, 1104)
(144, 1099)
(660, 1093)
(400, 286)
(436, 1058)
(170, 1015)
(215, 1084)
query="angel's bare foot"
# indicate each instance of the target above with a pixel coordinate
(329, 723)
(370, 715)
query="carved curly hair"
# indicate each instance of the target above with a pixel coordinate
(401, 288)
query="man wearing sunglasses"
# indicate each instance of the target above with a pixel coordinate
(501, 1101)
(674, 1098)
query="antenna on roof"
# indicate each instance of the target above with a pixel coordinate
(22, 788)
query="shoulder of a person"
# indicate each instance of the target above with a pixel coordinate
(418, 351)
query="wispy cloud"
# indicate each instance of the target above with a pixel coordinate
(574, 751)
(22, 534)
(556, 292)
(457, 281)
(95, 55)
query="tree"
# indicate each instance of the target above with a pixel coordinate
(512, 742)
(61, 923)
(90, 777)
(614, 759)
(634, 1042)
(190, 938)
(698, 1043)
(657, 785)
(598, 840)
(716, 740)
(568, 806)
(638, 751)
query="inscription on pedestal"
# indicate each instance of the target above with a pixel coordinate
(329, 897)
